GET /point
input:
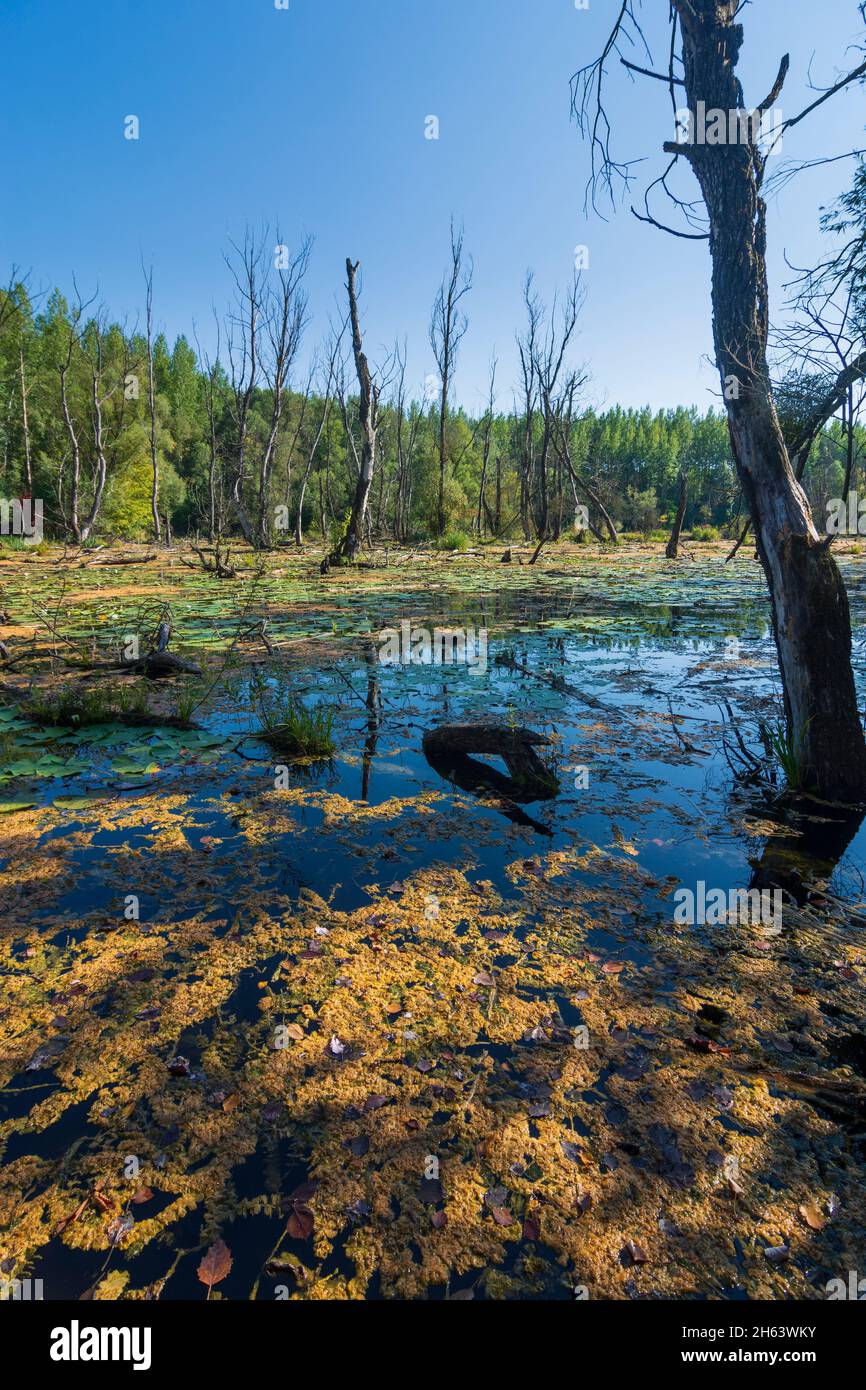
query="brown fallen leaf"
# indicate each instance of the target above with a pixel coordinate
(706, 1045)
(216, 1265)
(301, 1222)
(68, 1220)
(812, 1216)
(634, 1254)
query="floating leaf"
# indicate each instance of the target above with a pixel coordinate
(216, 1265)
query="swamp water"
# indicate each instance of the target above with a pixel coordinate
(388, 1036)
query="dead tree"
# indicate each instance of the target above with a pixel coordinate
(448, 327)
(108, 373)
(405, 443)
(244, 353)
(673, 545)
(549, 359)
(368, 416)
(212, 379)
(284, 318)
(810, 613)
(527, 347)
(151, 397)
(336, 341)
(213, 561)
(483, 513)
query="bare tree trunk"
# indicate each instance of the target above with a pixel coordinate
(674, 542)
(25, 420)
(74, 443)
(151, 394)
(368, 412)
(447, 329)
(326, 410)
(483, 509)
(811, 618)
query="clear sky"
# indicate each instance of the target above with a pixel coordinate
(315, 116)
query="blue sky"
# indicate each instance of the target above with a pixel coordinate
(315, 116)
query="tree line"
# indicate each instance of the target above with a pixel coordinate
(121, 433)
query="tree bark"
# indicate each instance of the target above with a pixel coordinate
(674, 542)
(811, 618)
(368, 410)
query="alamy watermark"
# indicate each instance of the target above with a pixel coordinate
(444, 646)
(846, 518)
(714, 126)
(713, 907)
(21, 1290)
(21, 516)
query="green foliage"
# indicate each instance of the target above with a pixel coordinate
(80, 706)
(297, 732)
(453, 540)
(787, 751)
(632, 458)
(287, 725)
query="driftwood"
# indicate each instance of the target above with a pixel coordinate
(448, 749)
(110, 561)
(156, 665)
(219, 565)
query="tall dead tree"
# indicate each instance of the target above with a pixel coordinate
(483, 513)
(672, 549)
(448, 327)
(528, 351)
(25, 421)
(212, 381)
(151, 398)
(244, 353)
(333, 353)
(284, 313)
(407, 426)
(368, 417)
(810, 612)
(549, 353)
(103, 359)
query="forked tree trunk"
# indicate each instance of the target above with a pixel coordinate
(367, 414)
(811, 618)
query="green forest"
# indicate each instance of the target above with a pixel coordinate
(74, 380)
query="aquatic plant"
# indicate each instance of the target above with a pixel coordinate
(79, 706)
(295, 731)
(786, 748)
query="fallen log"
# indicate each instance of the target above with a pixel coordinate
(109, 561)
(448, 749)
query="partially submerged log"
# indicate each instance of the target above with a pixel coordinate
(158, 664)
(449, 750)
(213, 561)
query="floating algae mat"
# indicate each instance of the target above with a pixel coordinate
(388, 1032)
